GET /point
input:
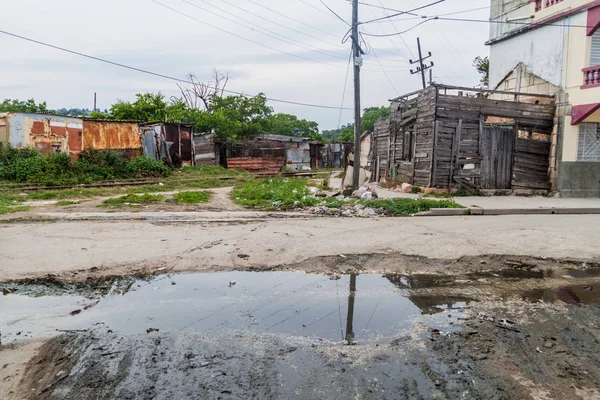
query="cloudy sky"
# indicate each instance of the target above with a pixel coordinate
(288, 49)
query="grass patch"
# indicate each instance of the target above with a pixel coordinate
(64, 203)
(12, 209)
(192, 197)
(409, 206)
(10, 203)
(132, 199)
(285, 193)
(276, 192)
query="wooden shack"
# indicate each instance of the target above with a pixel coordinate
(447, 137)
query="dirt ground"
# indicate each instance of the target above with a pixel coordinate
(545, 351)
(510, 342)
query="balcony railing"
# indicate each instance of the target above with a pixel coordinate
(547, 3)
(591, 77)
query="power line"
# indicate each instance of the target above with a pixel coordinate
(156, 73)
(293, 19)
(277, 23)
(439, 15)
(334, 13)
(270, 34)
(382, 7)
(399, 33)
(344, 92)
(402, 12)
(385, 73)
(250, 40)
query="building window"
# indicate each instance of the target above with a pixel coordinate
(595, 49)
(588, 148)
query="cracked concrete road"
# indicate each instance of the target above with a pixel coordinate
(36, 249)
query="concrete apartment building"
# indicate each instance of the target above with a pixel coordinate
(553, 47)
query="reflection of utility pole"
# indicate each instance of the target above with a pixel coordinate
(350, 318)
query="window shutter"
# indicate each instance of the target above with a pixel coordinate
(595, 52)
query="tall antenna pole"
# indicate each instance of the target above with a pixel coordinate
(356, 55)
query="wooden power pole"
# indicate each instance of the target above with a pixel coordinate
(421, 68)
(357, 58)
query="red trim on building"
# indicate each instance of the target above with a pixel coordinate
(579, 113)
(564, 14)
(593, 20)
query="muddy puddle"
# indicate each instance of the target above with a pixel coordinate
(347, 308)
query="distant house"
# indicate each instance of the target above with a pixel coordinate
(553, 47)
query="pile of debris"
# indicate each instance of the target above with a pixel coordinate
(347, 210)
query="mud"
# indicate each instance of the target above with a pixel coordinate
(520, 333)
(95, 282)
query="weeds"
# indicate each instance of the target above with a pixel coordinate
(277, 192)
(132, 200)
(409, 206)
(29, 165)
(287, 193)
(12, 209)
(10, 203)
(192, 197)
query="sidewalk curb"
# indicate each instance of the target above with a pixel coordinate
(447, 212)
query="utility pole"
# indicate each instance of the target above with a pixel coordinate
(94, 101)
(357, 58)
(421, 68)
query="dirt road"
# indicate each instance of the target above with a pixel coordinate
(119, 248)
(468, 307)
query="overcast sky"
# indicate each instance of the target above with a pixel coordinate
(287, 49)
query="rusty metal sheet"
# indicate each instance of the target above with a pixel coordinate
(49, 133)
(257, 165)
(111, 135)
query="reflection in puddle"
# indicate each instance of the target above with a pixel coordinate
(355, 308)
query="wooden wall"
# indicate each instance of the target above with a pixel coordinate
(441, 140)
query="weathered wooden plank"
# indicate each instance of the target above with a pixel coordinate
(483, 103)
(523, 184)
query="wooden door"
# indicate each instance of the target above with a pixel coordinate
(497, 146)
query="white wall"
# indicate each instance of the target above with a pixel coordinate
(540, 49)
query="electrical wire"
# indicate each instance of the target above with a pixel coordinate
(334, 13)
(344, 92)
(293, 19)
(439, 15)
(243, 37)
(399, 33)
(401, 38)
(402, 12)
(276, 23)
(382, 7)
(116, 64)
(270, 33)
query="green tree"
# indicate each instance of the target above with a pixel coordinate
(290, 125)
(370, 116)
(147, 107)
(482, 65)
(27, 106)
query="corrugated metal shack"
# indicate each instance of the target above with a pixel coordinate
(102, 134)
(48, 133)
(205, 148)
(269, 154)
(329, 155)
(169, 142)
(440, 137)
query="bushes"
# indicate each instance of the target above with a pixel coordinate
(143, 167)
(28, 165)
